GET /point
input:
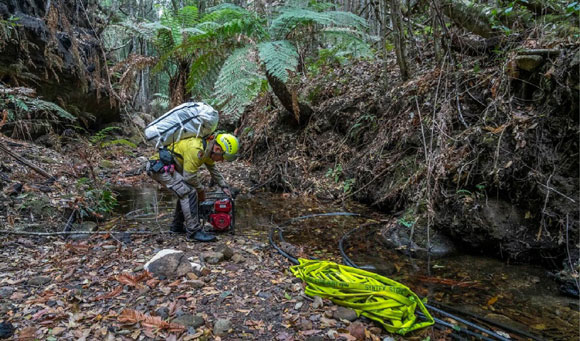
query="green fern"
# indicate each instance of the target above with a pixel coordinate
(239, 82)
(291, 18)
(278, 57)
(40, 105)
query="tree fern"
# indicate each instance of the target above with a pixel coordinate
(347, 19)
(278, 57)
(348, 42)
(239, 82)
(291, 18)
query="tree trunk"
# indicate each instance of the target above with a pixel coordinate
(301, 111)
(399, 37)
(178, 92)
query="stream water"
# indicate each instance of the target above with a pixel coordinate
(518, 296)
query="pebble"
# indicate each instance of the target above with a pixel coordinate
(226, 251)
(162, 312)
(189, 320)
(238, 259)
(343, 313)
(221, 326)
(196, 283)
(38, 280)
(6, 292)
(318, 303)
(298, 305)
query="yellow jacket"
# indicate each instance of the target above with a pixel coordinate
(189, 155)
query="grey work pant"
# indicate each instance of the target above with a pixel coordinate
(186, 195)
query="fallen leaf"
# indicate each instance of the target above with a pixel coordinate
(492, 300)
(117, 291)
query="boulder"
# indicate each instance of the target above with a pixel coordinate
(169, 263)
(529, 62)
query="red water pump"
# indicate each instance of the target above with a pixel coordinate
(219, 211)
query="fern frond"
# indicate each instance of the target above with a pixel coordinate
(239, 82)
(226, 14)
(291, 18)
(188, 16)
(347, 19)
(204, 72)
(348, 42)
(36, 104)
(278, 57)
(226, 5)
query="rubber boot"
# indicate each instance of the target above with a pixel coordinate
(192, 225)
(177, 223)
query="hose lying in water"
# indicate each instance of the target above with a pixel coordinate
(349, 262)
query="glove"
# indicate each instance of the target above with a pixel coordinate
(227, 191)
(201, 195)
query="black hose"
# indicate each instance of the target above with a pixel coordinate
(282, 252)
(486, 320)
(349, 262)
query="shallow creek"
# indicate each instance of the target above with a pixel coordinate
(518, 296)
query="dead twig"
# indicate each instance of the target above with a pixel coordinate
(26, 162)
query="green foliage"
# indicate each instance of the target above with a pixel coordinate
(335, 173)
(573, 9)
(27, 106)
(119, 142)
(239, 81)
(348, 185)
(159, 103)
(97, 200)
(278, 57)
(102, 134)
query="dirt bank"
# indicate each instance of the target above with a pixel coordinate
(479, 148)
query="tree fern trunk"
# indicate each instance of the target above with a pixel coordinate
(300, 111)
(178, 92)
(399, 35)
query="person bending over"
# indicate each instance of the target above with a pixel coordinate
(177, 168)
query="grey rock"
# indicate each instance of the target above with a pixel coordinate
(38, 280)
(169, 263)
(318, 303)
(315, 338)
(212, 257)
(343, 313)
(162, 312)
(388, 338)
(264, 294)
(226, 251)
(306, 325)
(221, 326)
(196, 283)
(6, 292)
(238, 259)
(189, 320)
(529, 62)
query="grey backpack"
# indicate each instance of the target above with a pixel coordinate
(191, 119)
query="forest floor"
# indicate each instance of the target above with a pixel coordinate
(94, 286)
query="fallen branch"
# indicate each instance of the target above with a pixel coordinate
(542, 52)
(25, 162)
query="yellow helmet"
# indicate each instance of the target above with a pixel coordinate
(229, 144)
